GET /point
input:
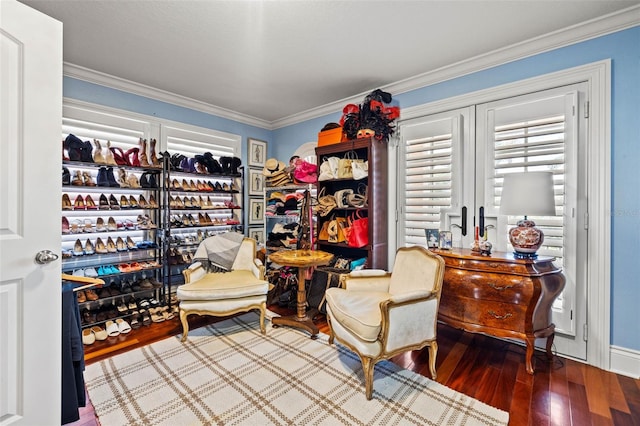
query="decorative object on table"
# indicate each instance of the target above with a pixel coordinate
(485, 245)
(433, 237)
(475, 246)
(305, 236)
(374, 117)
(445, 240)
(257, 152)
(524, 194)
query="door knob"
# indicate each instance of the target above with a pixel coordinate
(45, 256)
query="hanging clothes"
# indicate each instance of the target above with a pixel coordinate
(73, 389)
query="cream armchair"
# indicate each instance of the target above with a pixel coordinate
(379, 315)
(220, 294)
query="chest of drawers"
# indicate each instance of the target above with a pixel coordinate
(501, 296)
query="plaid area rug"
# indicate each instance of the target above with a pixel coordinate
(229, 374)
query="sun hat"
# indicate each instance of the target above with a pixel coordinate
(272, 166)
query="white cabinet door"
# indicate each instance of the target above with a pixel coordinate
(30, 185)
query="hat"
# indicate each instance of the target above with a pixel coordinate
(272, 166)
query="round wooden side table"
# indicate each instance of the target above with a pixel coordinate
(303, 260)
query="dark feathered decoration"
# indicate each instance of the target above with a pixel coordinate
(374, 114)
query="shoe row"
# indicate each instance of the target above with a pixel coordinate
(188, 239)
(110, 225)
(108, 203)
(187, 203)
(111, 246)
(122, 268)
(203, 186)
(178, 256)
(203, 219)
(206, 164)
(106, 178)
(75, 149)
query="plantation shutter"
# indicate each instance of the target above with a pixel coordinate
(189, 141)
(428, 154)
(527, 146)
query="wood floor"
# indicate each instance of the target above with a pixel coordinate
(563, 392)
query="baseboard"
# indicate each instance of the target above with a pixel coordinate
(625, 361)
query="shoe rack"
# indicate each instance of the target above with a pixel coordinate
(110, 216)
(203, 197)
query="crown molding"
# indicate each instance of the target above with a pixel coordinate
(112, 82)
(597, 27)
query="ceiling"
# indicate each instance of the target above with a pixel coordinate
(270, 60)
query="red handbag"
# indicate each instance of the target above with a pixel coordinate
(359, 230)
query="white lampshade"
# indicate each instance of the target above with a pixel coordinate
(528, 194)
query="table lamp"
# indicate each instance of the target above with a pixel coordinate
(523, 194)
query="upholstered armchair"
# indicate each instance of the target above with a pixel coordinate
(242, 289)
(379, 314)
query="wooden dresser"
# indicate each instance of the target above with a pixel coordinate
(500, 296)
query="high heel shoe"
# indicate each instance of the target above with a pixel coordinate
(65, 225)
(113, 203)
(133, 203)
(109, 159)
(124, 202)
(100, 247)
(88, 226)
(87, 179)
(132, 180)
(100, 227)
(103, 202)
(154, 162)
(142, 155)
(66, 202)
(111, 246)
(152, 202)
(77, 178)
(122, 178)
(131, 245)
(88, 247)
(77, 248)
(120, 246)
(143, 202)
(97, 154)
(91, 205)
(79, 204)
(132, 156)
(111, 224)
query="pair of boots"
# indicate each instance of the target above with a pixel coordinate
(230, 165)
(152, 160)
(77, 150)
(106, 177)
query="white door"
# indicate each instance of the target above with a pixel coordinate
(30, 188)
(451, 164)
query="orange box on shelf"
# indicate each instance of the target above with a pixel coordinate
(329, 137)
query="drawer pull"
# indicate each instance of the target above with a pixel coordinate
(494, 264)
(498, 287)
(500, 317)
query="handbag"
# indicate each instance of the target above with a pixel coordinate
(360, 169)
(305, 172)
(323, 235)
(341, 197)
(344, 165)
(358, 230)
(329, 169)
(326, 203)
(336, 230)
(358, 200)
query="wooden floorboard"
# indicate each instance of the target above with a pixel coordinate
(562, 392)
